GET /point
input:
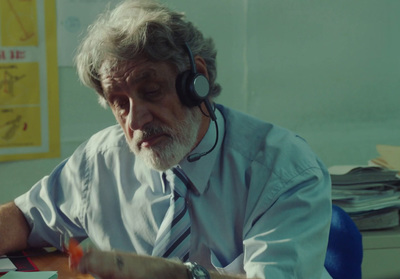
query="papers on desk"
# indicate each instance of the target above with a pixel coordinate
(6, 265)
(389, 157)
(21, 261)
(31, 275)
(370, 194)
(19, 265)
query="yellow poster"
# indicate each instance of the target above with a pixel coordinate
(19, 23)
(29, 119)
(19, 84)
(19, 127)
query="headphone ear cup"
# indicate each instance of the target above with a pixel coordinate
(199, 87)
(192, 88)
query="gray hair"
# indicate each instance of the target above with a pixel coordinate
(142, 29)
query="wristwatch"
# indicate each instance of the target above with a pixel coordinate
(196, 271)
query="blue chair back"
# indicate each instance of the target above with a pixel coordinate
(345, 252)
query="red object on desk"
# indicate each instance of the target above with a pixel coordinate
(75, 252)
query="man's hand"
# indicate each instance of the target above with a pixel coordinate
(14, 229)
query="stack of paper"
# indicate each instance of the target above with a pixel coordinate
(6, 265)
(31, 275)
(370, 194)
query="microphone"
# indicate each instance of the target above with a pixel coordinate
(196, 156)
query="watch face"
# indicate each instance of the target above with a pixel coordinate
(200, 272)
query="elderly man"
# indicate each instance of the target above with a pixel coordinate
(181, 187)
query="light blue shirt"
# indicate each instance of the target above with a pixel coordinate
(262, 206)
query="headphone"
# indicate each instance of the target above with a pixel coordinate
(193, 88)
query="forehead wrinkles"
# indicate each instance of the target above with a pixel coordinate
(125, 75)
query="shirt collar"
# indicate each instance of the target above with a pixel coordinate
(199, 171)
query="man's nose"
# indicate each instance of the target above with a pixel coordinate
(139, 115)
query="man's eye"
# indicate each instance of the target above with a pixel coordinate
(119, 102)
(121, 105)
(151, 91)
(153, 95)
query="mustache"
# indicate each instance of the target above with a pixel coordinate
(151, 131)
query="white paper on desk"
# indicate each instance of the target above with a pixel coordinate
(6, 265)
(31, 275)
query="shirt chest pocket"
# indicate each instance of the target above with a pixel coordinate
(228, 265)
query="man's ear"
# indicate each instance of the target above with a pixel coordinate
(201, 65)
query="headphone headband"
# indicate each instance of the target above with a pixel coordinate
(191, 59)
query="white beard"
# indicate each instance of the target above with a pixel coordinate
(170, 152)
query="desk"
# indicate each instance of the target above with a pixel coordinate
(55, 261)
(381, 254)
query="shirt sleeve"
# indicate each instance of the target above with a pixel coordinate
(287, 233)
(53, 207)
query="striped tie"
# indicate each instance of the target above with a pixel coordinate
(173, 237)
